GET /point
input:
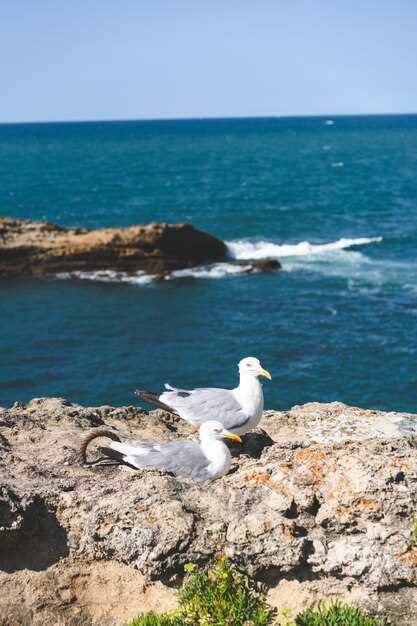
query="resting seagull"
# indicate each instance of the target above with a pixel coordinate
(239, 409)
(206, 460)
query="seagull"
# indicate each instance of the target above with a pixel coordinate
(202, 461)
(239, 409)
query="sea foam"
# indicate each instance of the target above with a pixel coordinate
(108, 276)
(302, 255)
(216, 270)
(243, 249)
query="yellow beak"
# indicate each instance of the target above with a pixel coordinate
(233, 437)
(265, 373)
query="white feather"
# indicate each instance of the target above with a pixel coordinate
(125, 448)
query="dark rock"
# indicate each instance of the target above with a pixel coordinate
(36, 248)
(266, 265)
(260, 265)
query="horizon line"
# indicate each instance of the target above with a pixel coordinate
(202, 118)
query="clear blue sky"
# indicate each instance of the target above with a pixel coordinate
(115, 59)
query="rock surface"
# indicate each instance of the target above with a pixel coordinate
(261, 265)
(36, 248)
(323, 506)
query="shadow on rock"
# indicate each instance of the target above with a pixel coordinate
(253, 444)
(30, 536)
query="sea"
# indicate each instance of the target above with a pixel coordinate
(333, 198)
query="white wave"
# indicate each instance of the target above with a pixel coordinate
(334, 258)
(244, 249)
(109, 276)
(216, 270)
(364, 275)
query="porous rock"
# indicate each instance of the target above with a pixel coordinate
(36, 248)
(324, 507)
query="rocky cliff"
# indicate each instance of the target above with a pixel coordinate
(322, 505)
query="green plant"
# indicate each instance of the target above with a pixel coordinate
(152, 619)
(284, 618)
(221, 596)
(337, 614)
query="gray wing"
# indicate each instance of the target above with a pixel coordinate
(184, 458)
(200, 405)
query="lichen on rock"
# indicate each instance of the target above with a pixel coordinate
(325, 507)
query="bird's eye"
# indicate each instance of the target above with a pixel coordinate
(248, 364)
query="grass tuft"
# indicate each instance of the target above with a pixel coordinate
(223, 596)
(337, 614)
(152, 619)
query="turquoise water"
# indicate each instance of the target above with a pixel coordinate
(336, 203)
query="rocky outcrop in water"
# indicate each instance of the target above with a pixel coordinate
(29, 248)
(321, 505)
(262, 265)
(36, 248)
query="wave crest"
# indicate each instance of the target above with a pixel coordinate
(216, 270)
(244, 249)
(108, 276)
(329, 259)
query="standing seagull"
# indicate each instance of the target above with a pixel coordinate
(206, 460)
(239, 409)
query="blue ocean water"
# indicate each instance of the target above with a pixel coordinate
(334, 200)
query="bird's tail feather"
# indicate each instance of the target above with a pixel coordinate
(153, 398)
(125, 448)
(110, 453)
(115, 455)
